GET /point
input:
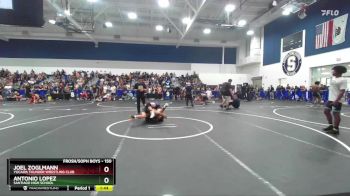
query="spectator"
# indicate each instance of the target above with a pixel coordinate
(316, 93)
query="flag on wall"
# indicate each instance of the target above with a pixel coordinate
(339, 26)
(331, 32)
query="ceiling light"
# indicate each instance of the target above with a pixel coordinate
(132, 15)
(52, 21)
(207, 31)
(287, 11)
(159, 28)
(108, 24)
(67, 12)
(163, 3)
(60, 14)
(326, 73)
(186, 20)
(274, 3)
(92, 1)
(242, 23)
(229, 8)
(250, 32)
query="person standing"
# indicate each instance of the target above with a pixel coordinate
(316, 93)
(140, 88)
(272, 93)
(188, 92)
(226, 93)
(336, 92)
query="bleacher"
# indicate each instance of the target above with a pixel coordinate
(282, 95)
(299, 95)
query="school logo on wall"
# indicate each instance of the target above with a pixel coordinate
(291, 63)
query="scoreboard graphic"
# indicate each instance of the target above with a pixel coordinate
(68, 174)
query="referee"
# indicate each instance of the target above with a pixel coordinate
(140, 88)
(189, 96)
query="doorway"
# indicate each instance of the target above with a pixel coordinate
(282, 81)
(257, 82)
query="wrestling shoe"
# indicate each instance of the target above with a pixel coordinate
(152, 114)
(329, 128)
(165, 105)
(132, 117)
(334, 131)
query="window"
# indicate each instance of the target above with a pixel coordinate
(6, 4)
(293, 41)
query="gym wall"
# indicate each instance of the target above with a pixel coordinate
(49, 55)
(271, 68)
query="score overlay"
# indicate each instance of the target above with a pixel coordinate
(68, 174)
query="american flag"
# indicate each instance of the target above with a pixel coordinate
(324, 34)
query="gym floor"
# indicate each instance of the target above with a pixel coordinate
(263, 148)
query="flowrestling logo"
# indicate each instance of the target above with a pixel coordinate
(330, 12)
(291, 63)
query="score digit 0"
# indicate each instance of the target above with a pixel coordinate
(106, 180)
(106, 169)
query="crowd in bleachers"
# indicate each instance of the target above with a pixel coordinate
(291, 93)
(91, 85)
(296, 93)
(102, 86)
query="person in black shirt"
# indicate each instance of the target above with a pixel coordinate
(28, 94)
(226, 93)
(272, 93)
(188, 92)
(140, 88)
(244, 91)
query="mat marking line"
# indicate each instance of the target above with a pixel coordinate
(302, 141)
(108, 129)
(280, 120)
(40, 136)
(343, 114)
(11, 117)
(294, 138)
(116, 152)
(58, 117)
(244, 166)
(161, 127)
(275, 112)
(45, 107)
